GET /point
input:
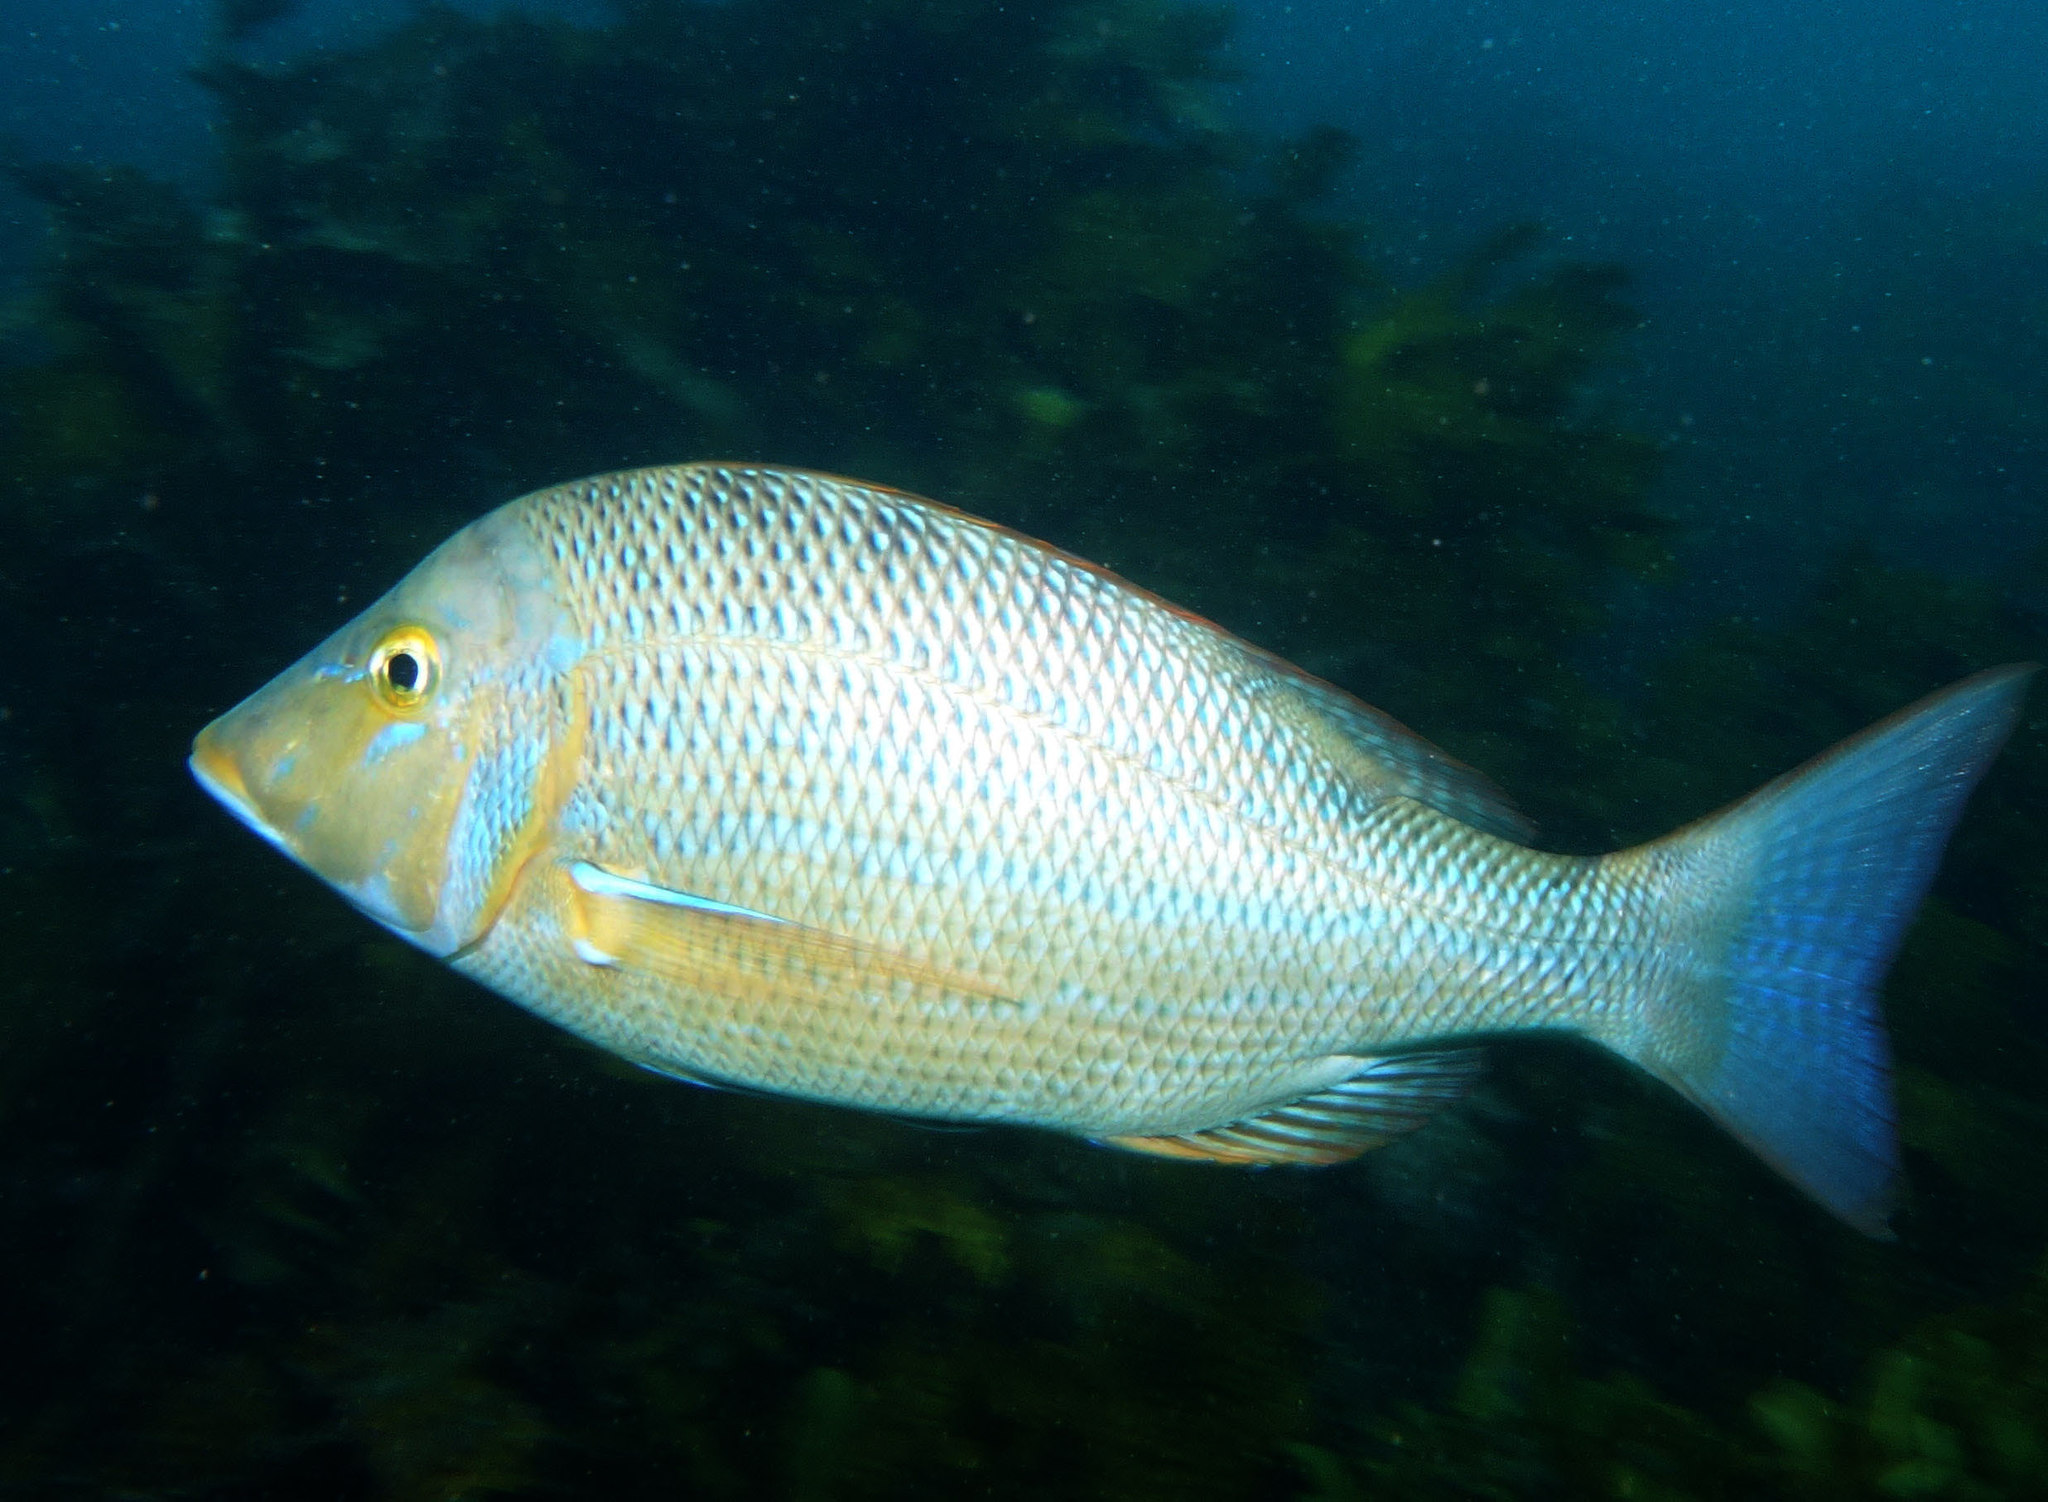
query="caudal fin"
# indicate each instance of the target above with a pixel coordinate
(1827, 865)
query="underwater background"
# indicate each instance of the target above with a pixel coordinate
(1632, 407)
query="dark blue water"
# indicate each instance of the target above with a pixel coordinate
(1831, 212)
(1635, 401)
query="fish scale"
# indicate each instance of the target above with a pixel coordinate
(770, 778)
(1187, 852)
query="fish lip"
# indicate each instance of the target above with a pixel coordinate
(215, 771)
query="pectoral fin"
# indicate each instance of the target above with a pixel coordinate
(702, 943)
(1386, 1098)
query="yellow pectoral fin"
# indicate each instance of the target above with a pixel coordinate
(714, 946)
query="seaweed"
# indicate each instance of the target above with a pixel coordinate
(1958, 1409)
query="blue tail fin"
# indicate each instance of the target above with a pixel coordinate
(1830, 863)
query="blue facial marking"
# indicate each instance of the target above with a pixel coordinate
(564, 652)
(390, 738)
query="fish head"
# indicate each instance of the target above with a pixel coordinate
(404, 759)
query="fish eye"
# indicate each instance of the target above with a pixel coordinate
(405, 667)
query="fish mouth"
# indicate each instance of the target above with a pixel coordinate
(216, 771)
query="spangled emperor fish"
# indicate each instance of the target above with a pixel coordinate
(772, 779)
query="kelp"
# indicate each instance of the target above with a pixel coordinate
(1956, 1410)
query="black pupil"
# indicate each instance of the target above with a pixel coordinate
(403, 669)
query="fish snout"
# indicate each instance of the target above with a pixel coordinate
(214, 766)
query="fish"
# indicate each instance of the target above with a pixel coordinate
(770, 779)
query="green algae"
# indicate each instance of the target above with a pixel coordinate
(884, 1218)
(1956, 1410)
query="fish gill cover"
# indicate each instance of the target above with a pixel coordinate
(291, 1211)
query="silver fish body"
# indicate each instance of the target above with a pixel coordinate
(770, 778)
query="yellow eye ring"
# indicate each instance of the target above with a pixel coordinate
(405, 667)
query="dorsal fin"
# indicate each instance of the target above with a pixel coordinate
(1379, 751)
(1388, 1097)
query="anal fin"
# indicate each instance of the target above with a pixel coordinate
(1387, 1097)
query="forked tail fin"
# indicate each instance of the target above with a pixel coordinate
(1826, 866)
